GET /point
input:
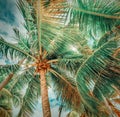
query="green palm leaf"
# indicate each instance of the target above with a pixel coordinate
(5, 103)
(96, 67)
(16, 85)
(11, 50)
(30, 99)
(23, 42)
(29, 19)
(6, 69)
(65, 89)
(89, 14)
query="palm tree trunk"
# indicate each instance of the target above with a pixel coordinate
(44, 95)
(6, 81)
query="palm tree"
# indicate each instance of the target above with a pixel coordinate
(83, 78)
(43, 53)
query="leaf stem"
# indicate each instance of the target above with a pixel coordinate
(53, 61)
(39, 19)
(94, 13)
(57, 74)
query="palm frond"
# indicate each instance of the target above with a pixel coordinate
(28, 14)
(10, 50)
(10, 69)
(17, 98)
(7, 69)
(113, 69)
(107, 87)
(98, 62)
(67, 50)
(23, 42)
(16, 85)
(90, 15)
(5, 92)
(66, 90)
(107, 36)
(5, 112)
(8, 72)
(54, 39)
(20, 80)
(5, 103)
(30, 99)
(32, 23)
(62, 42)
(110, 107)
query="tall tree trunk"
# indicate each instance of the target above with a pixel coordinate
(6, 81)
(44, 95)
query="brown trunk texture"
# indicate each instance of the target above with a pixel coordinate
(6, 81)
(44, 95)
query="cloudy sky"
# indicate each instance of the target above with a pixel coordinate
(10, 18)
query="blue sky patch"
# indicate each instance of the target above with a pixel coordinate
(6, 11)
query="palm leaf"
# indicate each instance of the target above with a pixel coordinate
(11, 50)
(9, 71)
(5, 112)
(16, 86)
(23, 42)
(113, 70)
(66, 90)
(5, 103)
(20, 80)
(90, 70)
(110, 107)
(30, 99)
(107, 36)
(90, 15)
(26, 11)
(6, 69)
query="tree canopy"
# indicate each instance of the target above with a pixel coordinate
(56, 52)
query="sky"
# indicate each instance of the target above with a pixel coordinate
(9, 19)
